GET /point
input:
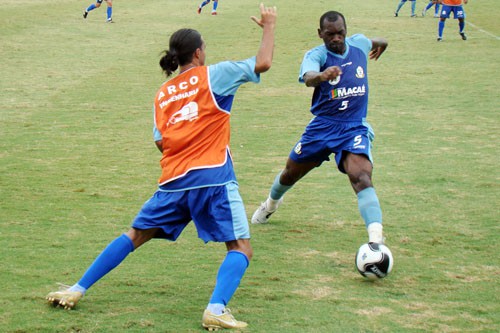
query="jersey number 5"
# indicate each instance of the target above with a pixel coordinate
(344, 105)
(357, 140)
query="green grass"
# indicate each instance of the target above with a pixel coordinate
(78, 161)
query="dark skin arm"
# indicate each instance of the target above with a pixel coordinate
(159, 146)
(314, 79)
(378, 47)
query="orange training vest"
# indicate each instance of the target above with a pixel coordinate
(195, 131)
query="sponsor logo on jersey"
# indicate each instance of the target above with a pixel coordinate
(348, 92)
(335, 81)
(178, 97)
(181, 90)
(188, 113)
(360, 73)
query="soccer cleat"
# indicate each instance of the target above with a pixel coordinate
(423, 12)
(65, 298)
(436, 15)
(413, 15)
(213, 322)
(199, 10)
(110, 20)
(214, 12)
(262, 214)
(439, 39)
(85, 13)
(395, 14)
(464, 37)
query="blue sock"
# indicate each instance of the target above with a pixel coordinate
(429, 5)
(91, 7)
(437, 9)
(278, 190)
(229, 276)
(413, 5)
(109, 12)
(461, 26)
(204, 3)
(440, 29)
(369, 206)
(109, 258)
(216, 3)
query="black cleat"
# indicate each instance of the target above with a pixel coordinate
(464, 37)
(85, 13)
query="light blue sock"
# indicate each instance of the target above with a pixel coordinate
(369, 206)
(399, 6)
(109, 12)
(413, 5)
(109, 258)
(278, 190)
(229, 276)
(440, 28)
(91, 7)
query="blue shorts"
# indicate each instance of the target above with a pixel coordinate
(458, 11)
(323, 137)
(217, 212)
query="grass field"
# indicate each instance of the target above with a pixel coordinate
(77, 161)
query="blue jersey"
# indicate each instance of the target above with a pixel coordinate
(346, 98)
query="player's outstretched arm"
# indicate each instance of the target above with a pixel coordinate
(267, 22)
(378, 47)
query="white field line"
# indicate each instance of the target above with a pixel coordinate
(486, 32)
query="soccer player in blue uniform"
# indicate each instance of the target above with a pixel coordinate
(401, 3)
(338, 72)
(98, 3)
(431, 3)
(206, 2)
(192, 130)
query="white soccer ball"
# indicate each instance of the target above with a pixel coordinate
(374, 261)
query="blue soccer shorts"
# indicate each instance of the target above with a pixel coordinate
(458, 11)
(323, 137)
(217, 212)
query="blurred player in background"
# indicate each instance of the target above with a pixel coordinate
(192, 129)
(206, 2)
(401, 3)
(98, 3)
(431, 3)
(455, 7)
(337, 70)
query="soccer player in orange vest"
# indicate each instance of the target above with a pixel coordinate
(455, 7)
(198, 182)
